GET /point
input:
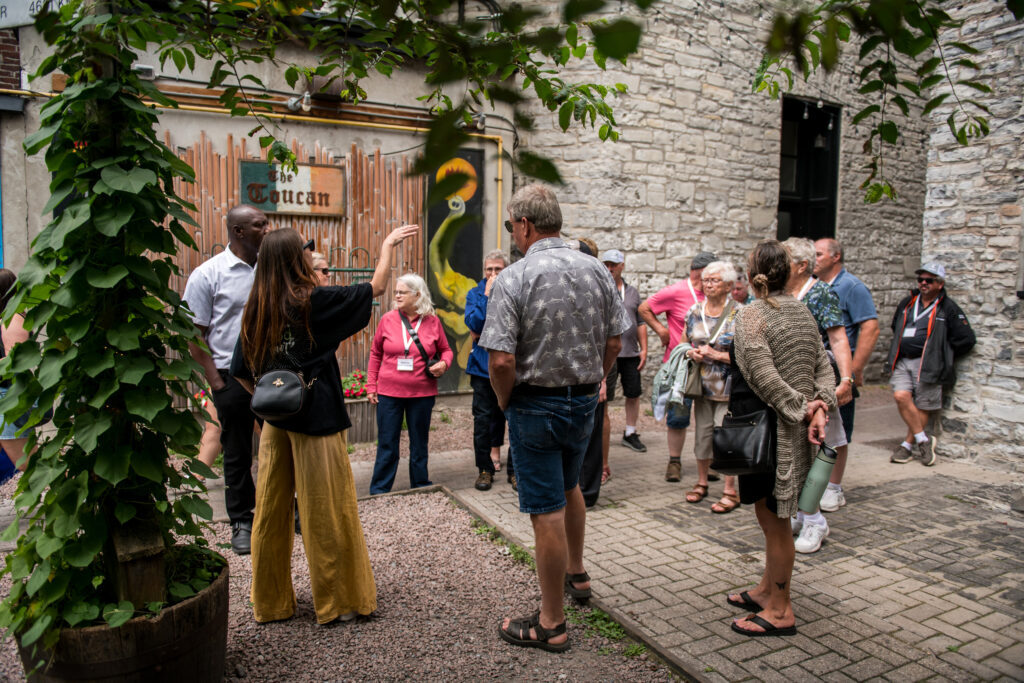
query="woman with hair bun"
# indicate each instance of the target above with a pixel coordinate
(779, 363)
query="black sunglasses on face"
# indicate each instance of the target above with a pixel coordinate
(508, 225)
(325, 271)
(926, 280)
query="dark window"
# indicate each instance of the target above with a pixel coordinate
(808, 169)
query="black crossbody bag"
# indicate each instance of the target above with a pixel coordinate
(280, 394)
(427, 360)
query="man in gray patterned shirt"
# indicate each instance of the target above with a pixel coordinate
(553, 325)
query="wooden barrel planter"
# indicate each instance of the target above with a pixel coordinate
(364, 420)
(185, 642)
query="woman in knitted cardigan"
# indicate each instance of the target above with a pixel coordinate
(779, 354)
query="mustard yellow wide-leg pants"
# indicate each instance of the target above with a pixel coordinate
(316, 470)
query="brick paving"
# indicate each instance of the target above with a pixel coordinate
(921, 578)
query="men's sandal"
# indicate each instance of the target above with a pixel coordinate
(770, 629)
(745, 601)
(697, 493)
(518, 633)
(582, 595)
(728, 503)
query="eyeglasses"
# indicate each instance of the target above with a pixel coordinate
(403, 293)
(926, 280)
(711, 280)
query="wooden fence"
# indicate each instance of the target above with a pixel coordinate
(380, 196)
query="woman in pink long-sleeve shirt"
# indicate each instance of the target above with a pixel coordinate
(402, 383)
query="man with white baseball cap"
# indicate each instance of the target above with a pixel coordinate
(929, 333)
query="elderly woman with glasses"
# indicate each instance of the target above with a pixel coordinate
(710, 326)
(409, 352)
(323, 272)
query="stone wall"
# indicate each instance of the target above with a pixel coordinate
(972, 223)
(697, 166)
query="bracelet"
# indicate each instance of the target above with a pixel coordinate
(851, 380)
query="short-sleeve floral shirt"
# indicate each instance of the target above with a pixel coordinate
(824, 305)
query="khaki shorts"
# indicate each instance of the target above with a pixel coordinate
(706, 416)
(904, 378)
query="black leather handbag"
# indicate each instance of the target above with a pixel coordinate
(280, 394)
(744, 444)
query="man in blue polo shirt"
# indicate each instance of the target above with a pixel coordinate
(861, 321)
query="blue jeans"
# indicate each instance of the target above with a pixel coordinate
(390, 412)
(550, 436)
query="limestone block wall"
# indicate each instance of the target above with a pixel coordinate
(972, 223)
(697, 166)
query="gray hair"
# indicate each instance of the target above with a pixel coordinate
(539, 205)
(496, 255)
(834, 248)
(424, 305)
(801, 249)
(722, 269)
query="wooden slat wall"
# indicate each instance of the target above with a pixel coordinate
(380, 197)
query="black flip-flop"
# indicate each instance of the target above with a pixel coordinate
(770, 629)
(745, 601)
(518, 633)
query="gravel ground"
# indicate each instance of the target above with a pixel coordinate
(442, 588)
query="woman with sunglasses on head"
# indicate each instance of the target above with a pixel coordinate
(291, 322)
(409, 352)
(779, 363)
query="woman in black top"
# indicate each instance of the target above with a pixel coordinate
(291, 322)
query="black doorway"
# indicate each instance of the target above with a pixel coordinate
(808, 169)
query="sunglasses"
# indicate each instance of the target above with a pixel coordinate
(926, 280)
(325, 271)
(309, 246)
(508, 225)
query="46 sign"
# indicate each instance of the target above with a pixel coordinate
(14, 13)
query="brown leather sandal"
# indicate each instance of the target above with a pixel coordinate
(698, 493)
(728, 503)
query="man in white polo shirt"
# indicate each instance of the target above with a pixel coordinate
(216, 293)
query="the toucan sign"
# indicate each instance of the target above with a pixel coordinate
(309, 189)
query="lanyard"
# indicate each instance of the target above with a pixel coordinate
(693, 293)
(806, 288)
(406, 339)
(918, 316)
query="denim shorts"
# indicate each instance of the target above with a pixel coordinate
(9, 430)
(677, 418)
(550, 436)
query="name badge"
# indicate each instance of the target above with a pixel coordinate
(405, 364)
(910, 332)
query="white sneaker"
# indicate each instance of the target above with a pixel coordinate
(796, 525)
(811, 537)
(832, 500)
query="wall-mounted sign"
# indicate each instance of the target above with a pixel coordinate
(310, 189)
(14, 13)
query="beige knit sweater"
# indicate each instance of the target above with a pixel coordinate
(780, 354)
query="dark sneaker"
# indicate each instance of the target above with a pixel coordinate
(484, 481)
(926, 451)
(633, 441)
(674, 471)
(512, 480)
(901, 455)
(241, 537)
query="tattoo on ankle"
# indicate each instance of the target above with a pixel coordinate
(782, 586)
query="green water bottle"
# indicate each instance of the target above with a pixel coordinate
(817, 480)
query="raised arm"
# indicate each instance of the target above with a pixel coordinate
(381, 275)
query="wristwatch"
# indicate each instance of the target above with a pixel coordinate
(851, 380)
